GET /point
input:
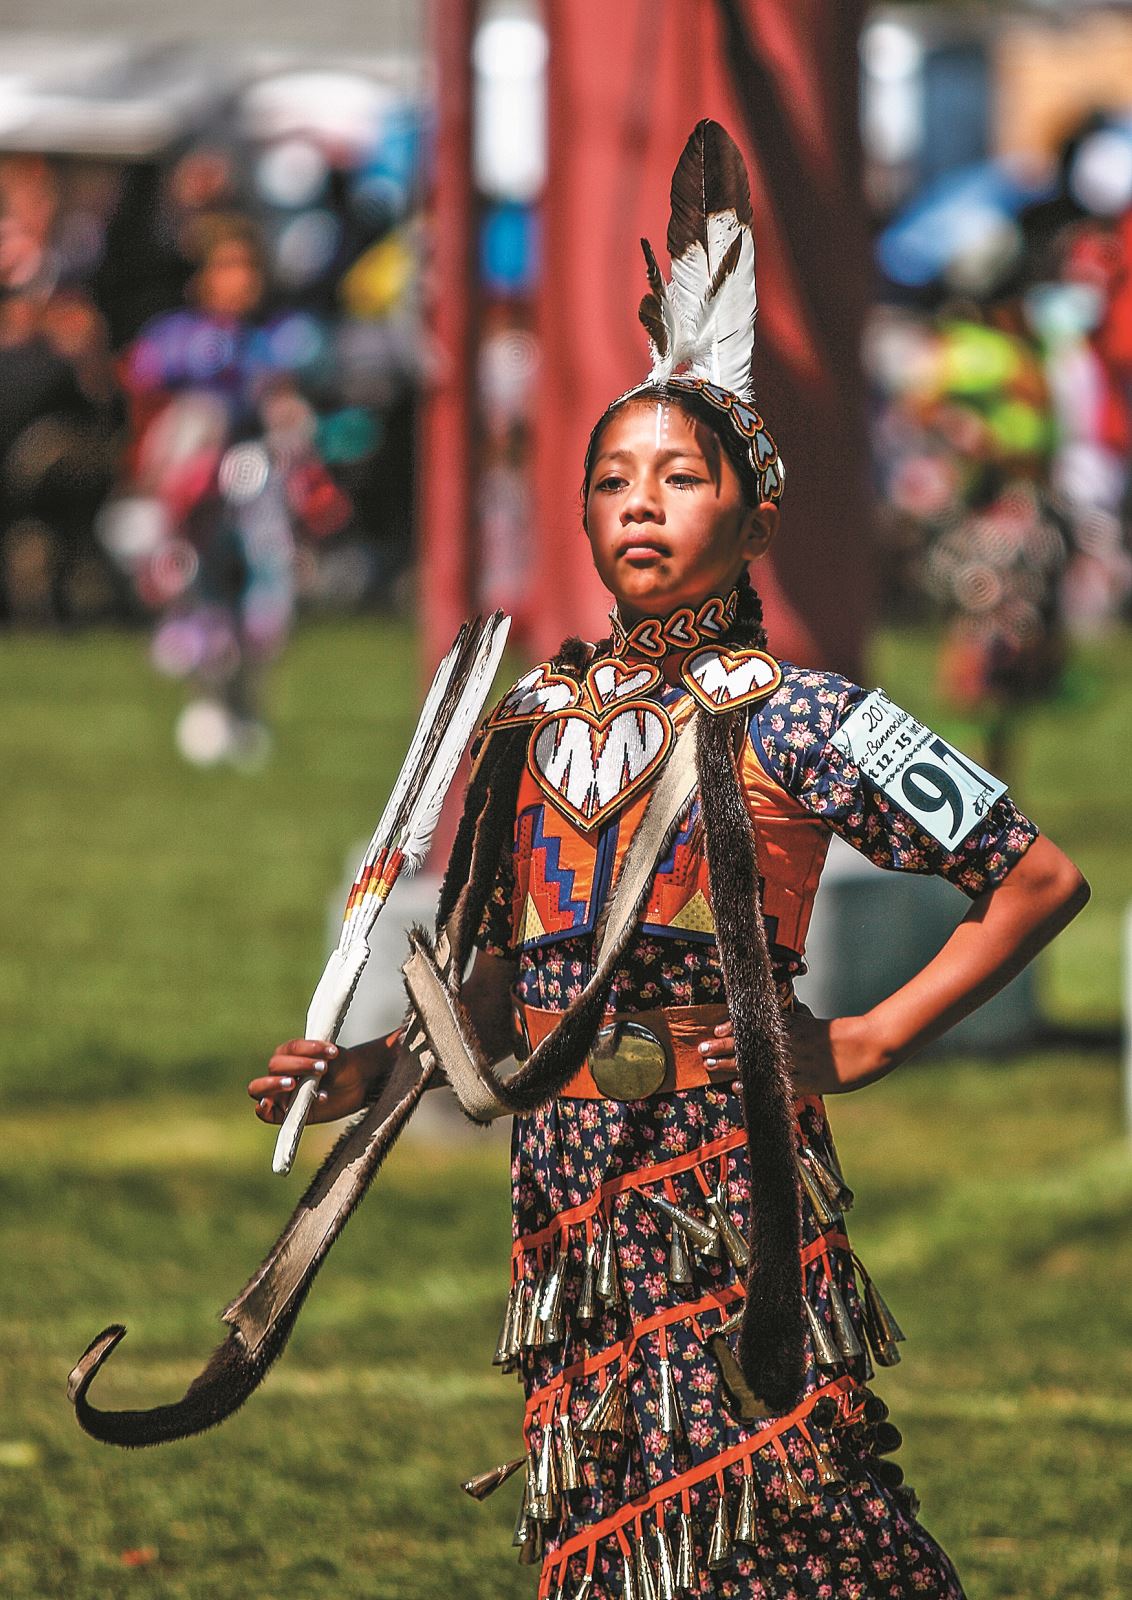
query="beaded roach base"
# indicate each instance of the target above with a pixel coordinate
(647, 1474)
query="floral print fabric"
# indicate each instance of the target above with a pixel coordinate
(857, 1541)
(791, 732)
(832, 1520)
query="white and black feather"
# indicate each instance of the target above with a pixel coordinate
(702, 323)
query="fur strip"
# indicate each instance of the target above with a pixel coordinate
(240, 1364)
(492, 789)
(474, 866)
(771, 1350)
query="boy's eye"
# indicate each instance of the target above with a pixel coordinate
(610, 482)
(683, 480)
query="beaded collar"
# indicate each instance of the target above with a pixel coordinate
(654, 637)
(598, 732)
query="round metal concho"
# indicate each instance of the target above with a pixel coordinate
(628, 1061)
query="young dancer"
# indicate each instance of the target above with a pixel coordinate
(694, 1332)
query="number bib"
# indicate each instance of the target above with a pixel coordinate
(945, 792)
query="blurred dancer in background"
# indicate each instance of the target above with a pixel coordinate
(996, 561)
(221, 437)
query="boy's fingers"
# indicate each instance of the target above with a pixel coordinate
(289, 1061)
(718, 1049)
(294, 1067)
(283, 1082)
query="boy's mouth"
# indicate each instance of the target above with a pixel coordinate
(642, 549)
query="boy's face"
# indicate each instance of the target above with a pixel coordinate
(665, 513)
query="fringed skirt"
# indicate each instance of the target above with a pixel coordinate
(641, 1481)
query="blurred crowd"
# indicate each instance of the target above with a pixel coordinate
(209, 357)
(208, 365)
(1001, 367)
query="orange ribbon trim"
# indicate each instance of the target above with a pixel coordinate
(717, 1300)
(695, 1475)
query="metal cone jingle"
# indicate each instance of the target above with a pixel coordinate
(731, 1323)
(885, 1351)
(686, 1556)
(733, 1241)
(547, 1482)
(881, 1328)
(550, 1306)
(532, 1477)
(702, 1234)
(515, 1337)
(720, 1547)
(831, 1183)
(522, 1521)
(713, 1250)
(843, 1329)
(828, 1475)
(503, 1345)
(825, 1351)
(568, 1473)
(587, 1301)
(584, 1588)
(747, 1518)
(485, 1483)
(532, 1551)
(671, 1421)
(607, 1414)
(679, 1262)
(528, 1313)
(665, 1569)
(608, 1280)
(535, 1332)
(823, 1211)
(797, 1497)
(646, 1582)
(628, 1579)
(545, 1508)
(556, 1328)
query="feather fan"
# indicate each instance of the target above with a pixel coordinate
(402, 838)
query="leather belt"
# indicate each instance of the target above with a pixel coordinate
(637, 1053)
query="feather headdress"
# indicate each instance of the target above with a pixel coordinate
(701, 325)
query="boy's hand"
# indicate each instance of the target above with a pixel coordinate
(342, 1080)
(826, 1057)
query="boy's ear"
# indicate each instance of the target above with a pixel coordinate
(760, 525)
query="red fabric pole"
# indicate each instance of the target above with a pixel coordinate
(445, 485)
(627, 84)
(444, 519)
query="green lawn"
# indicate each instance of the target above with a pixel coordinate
(161, 928)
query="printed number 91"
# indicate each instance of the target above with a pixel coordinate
(929, 789)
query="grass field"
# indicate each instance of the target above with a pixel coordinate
(161, 928)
